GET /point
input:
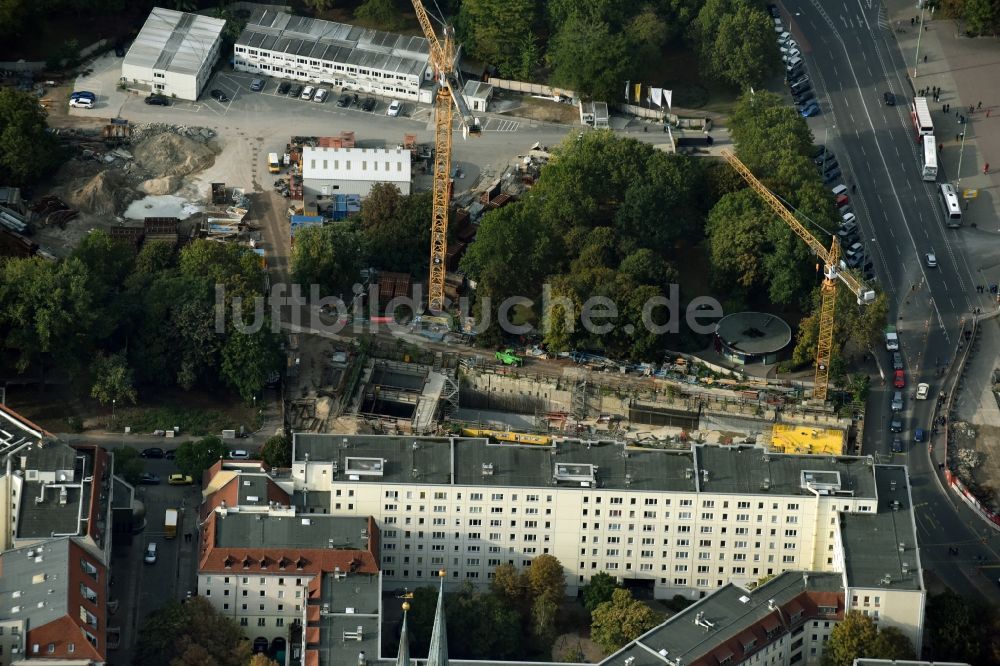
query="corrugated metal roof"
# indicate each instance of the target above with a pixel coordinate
(317, 39)
(390, 166)
(173, 41)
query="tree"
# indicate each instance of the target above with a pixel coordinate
(590, 57)
(598, 590)
(248, 359)
(498, 33)
(193, 458)
(742, 52)
(318, 6)
(981, 16)
(191, 633)
(113, 380)
(955, 627)
(382, 13)
(852, 638)
(543, 622)
(262, 660)
(620, 620)
(128, 464)
(277, 451)
(395, 229)
(892, 644)
(328, 256)
(27, 150)
(546, 578)
(511, 586)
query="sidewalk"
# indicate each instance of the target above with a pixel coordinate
(968, 72)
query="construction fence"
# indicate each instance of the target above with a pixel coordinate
(530, 88)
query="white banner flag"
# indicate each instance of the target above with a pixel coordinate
(657, 96)
(628, 87)
(668, 95)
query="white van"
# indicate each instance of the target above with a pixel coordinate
(150, 556)
(840, 189)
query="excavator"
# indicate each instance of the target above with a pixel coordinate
(449, 97)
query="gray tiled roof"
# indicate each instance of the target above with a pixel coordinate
(335, 42)
(34, 582)
(736, 469)
(727, 613)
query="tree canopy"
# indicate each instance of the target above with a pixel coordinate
(857, 636)
(191, 633)
(277, 451)
(620, 620)
(27, 150)
(194, 457)
(598, 590)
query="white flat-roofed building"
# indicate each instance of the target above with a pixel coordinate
(358, 59)
(681, 521)
(330, 171)
(173, 54)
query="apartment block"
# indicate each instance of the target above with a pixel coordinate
(324, 52)
(685, 521)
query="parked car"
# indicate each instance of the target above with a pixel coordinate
(150, 556)
(180, 480)
(897, 445)
(919, 435)
(810, 110)
(157, 100)
(832, 175)
(218, 95)
(81, 103)
(284, 87)
(83, 93)
(148, 479)
(152, 452)
(897, 361)
(824, 157)
(170, 455)
(120, 50)
(394, 108)
(295, 90)
(923, 390)
(775, 12)
(896, 424)
(239, 454)
(307, 93)
(800, 98)
(899, 379)
(897, 401)
(344, 101)
(257, 85)
(368, 105)
(321, 95)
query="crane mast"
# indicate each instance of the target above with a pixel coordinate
(449, 97)
(831, 273)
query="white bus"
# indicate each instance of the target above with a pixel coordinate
(928, 163)
(951, 205)
(920, 114)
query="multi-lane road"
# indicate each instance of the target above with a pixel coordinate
(853, 60)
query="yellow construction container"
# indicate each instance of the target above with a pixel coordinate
(787, 438)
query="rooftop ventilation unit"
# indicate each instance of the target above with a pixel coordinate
(744, 599)
(886, 579)
(688, 473)
(578, 472)
(629, 661)
(628, 480)
(487, 469)
(765, 484)
(364, 466)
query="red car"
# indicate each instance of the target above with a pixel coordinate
(899, 380)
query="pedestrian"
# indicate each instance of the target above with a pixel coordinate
(980, 105)
(925, 58)
(961, 120)
(956, 115)
(940, 147)
(972, 109)
(911, 22)
(947, 108)
(958, 138)
(987, 113)
(986, 168)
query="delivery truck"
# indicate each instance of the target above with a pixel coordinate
(170, 524)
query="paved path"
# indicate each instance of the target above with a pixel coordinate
(968, 73)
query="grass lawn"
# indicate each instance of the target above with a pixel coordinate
(59, 409)
(678, 71)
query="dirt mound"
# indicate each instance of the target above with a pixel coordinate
(106, 193)
(169, 154)
(158, 186)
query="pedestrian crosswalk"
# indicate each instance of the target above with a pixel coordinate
(883, 17)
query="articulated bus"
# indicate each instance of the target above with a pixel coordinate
(921, 116)
(951, 205)
(928, 162)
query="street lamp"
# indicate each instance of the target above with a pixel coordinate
(113, 401)
(961, 152)
(920, 29)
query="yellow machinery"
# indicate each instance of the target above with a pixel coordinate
(443, 60)
(831, 271)
(507, 436)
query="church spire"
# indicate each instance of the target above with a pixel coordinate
(403, 656)
(437, 655)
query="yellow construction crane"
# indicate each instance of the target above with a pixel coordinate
(831, 271)
(442, 57)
